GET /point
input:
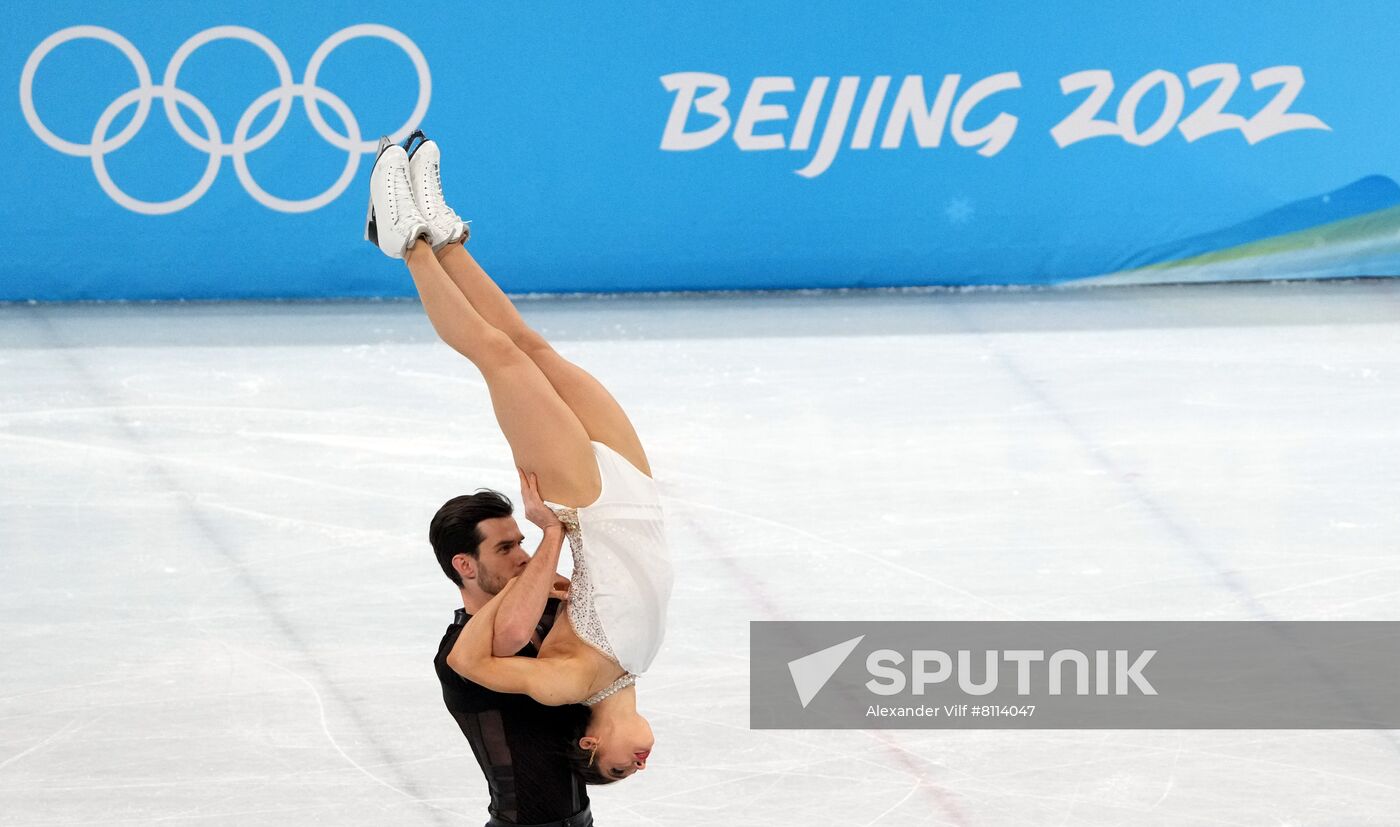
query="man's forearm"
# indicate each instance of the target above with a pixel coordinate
(522, 607)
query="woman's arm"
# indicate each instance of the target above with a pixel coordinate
(551, 681)
(520, 612)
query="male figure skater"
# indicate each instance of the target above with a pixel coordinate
(519, 743)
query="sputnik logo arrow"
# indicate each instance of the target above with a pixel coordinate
(811, 672)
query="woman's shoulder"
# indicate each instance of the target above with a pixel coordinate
(580, 660)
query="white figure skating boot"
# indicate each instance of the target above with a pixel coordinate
(394, 221)
(424, 160)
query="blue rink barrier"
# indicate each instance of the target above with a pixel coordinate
(162, 150)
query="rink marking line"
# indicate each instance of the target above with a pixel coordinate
(945, 796)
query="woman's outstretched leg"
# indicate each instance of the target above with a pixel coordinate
(545, 435)
(600, 414)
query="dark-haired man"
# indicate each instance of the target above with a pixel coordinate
(519, 743)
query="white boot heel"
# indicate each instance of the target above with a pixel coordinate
(393, 221)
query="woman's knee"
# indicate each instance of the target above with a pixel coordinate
(530, 342)
(490, 348)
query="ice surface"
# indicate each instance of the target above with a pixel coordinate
(218, 606)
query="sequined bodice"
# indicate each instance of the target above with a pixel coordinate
(583, 613)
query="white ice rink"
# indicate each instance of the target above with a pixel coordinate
(218, 604)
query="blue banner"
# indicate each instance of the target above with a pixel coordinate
(180, 150)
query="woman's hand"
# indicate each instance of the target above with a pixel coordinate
(535, 509)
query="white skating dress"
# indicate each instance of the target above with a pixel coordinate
(622, 570)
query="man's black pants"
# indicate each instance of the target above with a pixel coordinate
(583, 818)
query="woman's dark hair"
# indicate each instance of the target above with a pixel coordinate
(581, 760)
(454, 530)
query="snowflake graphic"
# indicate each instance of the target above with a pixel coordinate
(958, 211)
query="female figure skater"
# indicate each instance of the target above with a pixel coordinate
(574, 446)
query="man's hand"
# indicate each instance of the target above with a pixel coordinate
(535, 509)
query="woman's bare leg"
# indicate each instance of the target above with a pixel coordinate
(544, 434)
(602, 417)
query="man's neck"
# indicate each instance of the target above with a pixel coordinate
(473, 599)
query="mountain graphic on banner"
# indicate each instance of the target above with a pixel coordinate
(1349, 232)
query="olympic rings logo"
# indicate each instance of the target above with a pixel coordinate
(242, 144)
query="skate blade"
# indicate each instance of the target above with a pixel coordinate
(412, 142)
(371, 225)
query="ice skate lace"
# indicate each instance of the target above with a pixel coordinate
(401, 205)
(435, 202)
(582, 613)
